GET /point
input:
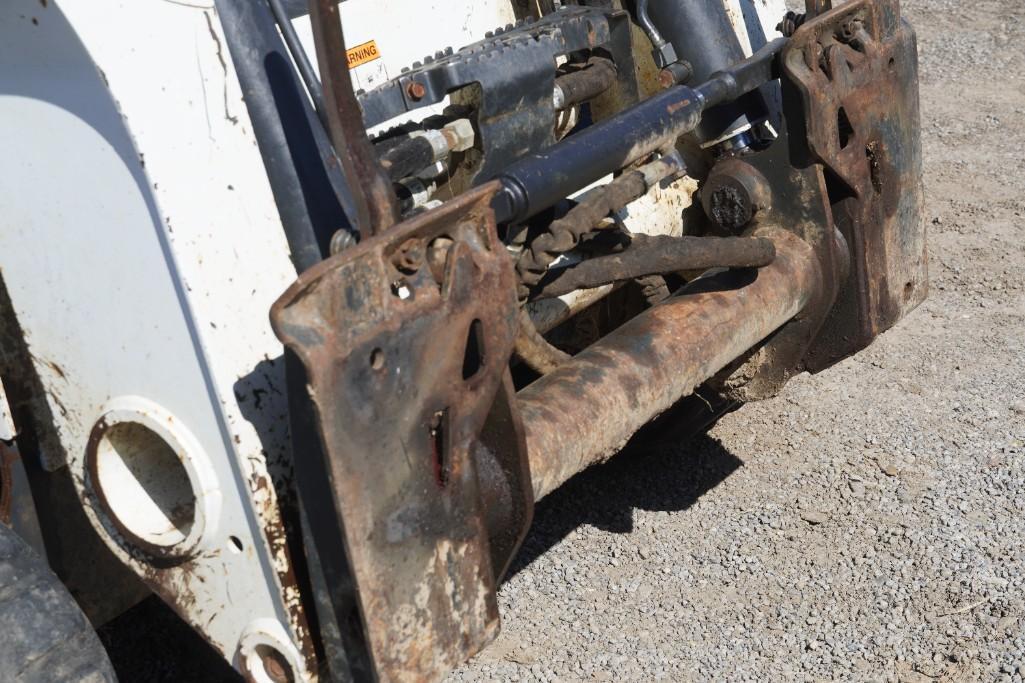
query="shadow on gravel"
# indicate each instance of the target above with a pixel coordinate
(150, 643)
(666, 478)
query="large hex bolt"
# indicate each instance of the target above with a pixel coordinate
(734, 193)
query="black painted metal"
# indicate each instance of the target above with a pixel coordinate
(311, 195)
(701, 33)
(299, 56)
(515, 70)
(538, 181)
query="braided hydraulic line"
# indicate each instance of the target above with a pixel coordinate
(534, 350)
(565, 234)
(656, 255)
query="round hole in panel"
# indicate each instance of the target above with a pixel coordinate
(152, 482)
(267, 655)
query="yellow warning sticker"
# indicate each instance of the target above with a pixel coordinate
(361, 54)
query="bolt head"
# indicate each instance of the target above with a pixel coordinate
(733, 193)
(415, 90)
(409, 256)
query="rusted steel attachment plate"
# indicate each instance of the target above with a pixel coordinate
(8, 456)
(855, 71)
(405, 340)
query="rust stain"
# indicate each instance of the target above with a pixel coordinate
(587, 409)
(677, 106)
(403, 479)
(855, 69)
(268, 510)
(8, 456)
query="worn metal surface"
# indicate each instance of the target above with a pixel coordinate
(503, 471)
(402, 363)
(582, 82)
(585, 411)
(815, 7)
(800, 204)
(855, 72)
(734, 193)
(851, 190)
(376, 206)
(8, 458)
(648, 255)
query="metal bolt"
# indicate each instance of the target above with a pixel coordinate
(416, 91)
(734, 193)
(274, 668)
(410, 256)
(342, 240)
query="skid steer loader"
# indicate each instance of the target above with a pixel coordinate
(306, 303)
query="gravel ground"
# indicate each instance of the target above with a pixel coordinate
(867, 523)
(864, 525)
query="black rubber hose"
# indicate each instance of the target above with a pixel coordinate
(657, 255)
(404, 156)
(565, 233)
(299, 56)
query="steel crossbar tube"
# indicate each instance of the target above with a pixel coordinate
(586, 410)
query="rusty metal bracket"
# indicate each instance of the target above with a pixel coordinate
(845, 175)
(800, 204)
(376, 206)
(405, 341)
(851, 79)
(8, 456)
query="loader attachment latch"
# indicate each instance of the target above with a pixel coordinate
(851, 78)
(405, 341)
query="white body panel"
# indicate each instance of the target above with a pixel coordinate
(142, 249)
(148, 252)
(101, 221)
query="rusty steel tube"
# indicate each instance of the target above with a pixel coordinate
(585, 411)
(376, 206)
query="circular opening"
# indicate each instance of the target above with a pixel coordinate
(235, 544)
(377, 359)
(144, 485)
(270, 666)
